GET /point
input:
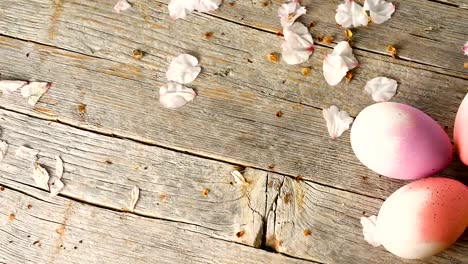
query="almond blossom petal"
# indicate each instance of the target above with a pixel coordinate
(58, 167)
(289, 12)
(9, 87)
(34, 91)
(135, 198)
(338, 63)
(175, 95)
(183, 69)
(344, 50)
(239, 178)
(380, 10)
(181, 8)
(369, 230)
(3, 149)
(465, 48)
(207, 5)
(381, 89)
(122, 5)
(298, 44)
(337, 121)
(27, 153)
(351, 14)
(56, 187)
(40, 176)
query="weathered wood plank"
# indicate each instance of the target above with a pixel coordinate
(234, 118)
(60, 230)
(102, 170)
(315, 222)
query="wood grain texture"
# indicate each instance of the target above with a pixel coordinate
(103, 170)
(323, 224)
(234, 118)
(66, 231)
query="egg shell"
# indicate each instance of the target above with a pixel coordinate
(400, 141)
(460, 131)
(423, 218)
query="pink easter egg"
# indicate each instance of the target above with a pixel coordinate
(460, 132)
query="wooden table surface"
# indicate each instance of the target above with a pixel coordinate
(103, 117)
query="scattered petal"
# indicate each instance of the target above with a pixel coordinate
(181, 8)
(27, 153)
(465, 49)
(40, 176)
(207, 5)
(3, 149)
(239, 178)
(289, 12)
(58, 167)
(175, 95)
(380, 10)
(183, 69)
(135, 197)
(34, 90)
(351, 14)
(381, 89)
(298, 45)
(56, 187)
(337, 121)
(122, 5)
(369, 230)
(9, 87)
(337, 64)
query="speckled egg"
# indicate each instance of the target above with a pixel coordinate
(460, 132)
(420, 219)
(400, 141)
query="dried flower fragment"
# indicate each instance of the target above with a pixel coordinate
(298, 44)
(122, 5)
(289, 12)
(3, 149)
(328, 39)
(240, 234)
(8, 87)
(305, 71)
(307, 232)
(337, 64)
(175, 95)
(27, 153)
(351, 14)
(337, 121)
(465, 65)
(183, 69)
(239, 178)
(208, 35)
(273, 57)
(349, 76)
(181, 8)
(392, 50)
(380, 10)
(135, 198)
(137, 54)
(40, 176)
(348, 34)
(205, 192)
(382, 89)
(34, 91)
(11, 217)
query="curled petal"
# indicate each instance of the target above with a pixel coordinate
(34, 91)
(298, 44)
(181, 8)
(380, 10)
(122, 5)
(381, 89)
(175, 95)
(239, 178)
(183, 69)
(40, 176)
(207, 5)
(351, 14)
(337, 121)
(56, 187)
(369, 230)
(289, 12)
(9, 87)
(135, 197)
(3, 149)
(338, 63)
(465, 48)
(58, 167)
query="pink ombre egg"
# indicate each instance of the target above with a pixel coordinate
(420, 219)
(460, 132)
(400, 141)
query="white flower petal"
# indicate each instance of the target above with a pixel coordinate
(344, 50)
(175, 95)
(135, 197)
(58, 167)
(9, 87)
(27, 153)
(351, 14)
(207, 5)
(381, 89)
(369, 230)
(239, 178)
(298, 44)
(380, 10)
(337, 121)
(465, 48)
(40, 176)
(122, 5)
(56, 187)
(183, 69)
(3, 149)
(181, 8)
(289, 12)
(34, 90)
(338, 63)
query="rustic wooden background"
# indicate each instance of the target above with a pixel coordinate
(102, 115)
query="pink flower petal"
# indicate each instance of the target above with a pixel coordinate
(183, 69)
(337, 121)
(181, 8)
(380, 10)
(338, 63)
(465, 48)
(175, 95)
(382, 89)
(34, 91)
(207, 5)
(56, 187)
(9, 87)
(351, 14)
(369, 230)
(122, 5)
(298, 44)
(3, 149)
(40, 176)
(289, 12)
